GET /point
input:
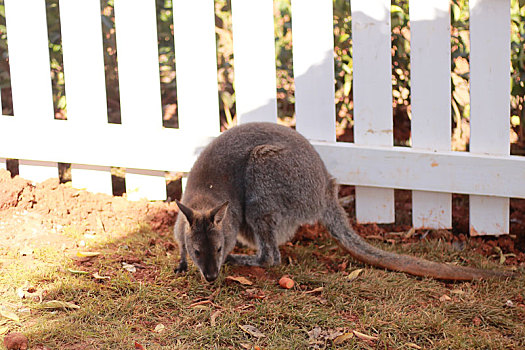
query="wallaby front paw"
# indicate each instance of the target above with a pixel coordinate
(183, 267)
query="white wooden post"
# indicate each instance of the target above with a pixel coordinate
(490, 103)
(196, 67)
(371, 37)
(254, 52)
(313, 57)
(30, 76)
(430, 97)
(192, 92)
(139, 83)
(85, 86)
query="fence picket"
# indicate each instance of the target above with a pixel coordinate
(194, 22)
(30, 76)
(430, 97)
(3, 163)
(139, 84)
(490, 104)
(372, 89)
(254, 52)
(313, 57)
(84, 76)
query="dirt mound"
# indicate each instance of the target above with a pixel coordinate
(51, 213)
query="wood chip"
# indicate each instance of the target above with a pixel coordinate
(57, 304)
(213, 317)
(316, 290)
(159, 328)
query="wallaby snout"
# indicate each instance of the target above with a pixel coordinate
(210, 276)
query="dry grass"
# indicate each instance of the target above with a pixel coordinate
(396, 310)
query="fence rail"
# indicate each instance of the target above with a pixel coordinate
(140, 143)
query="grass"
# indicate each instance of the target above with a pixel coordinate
(126, 310)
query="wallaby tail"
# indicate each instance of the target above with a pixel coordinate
(337, 224)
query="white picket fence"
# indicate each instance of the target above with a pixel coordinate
(140, 144)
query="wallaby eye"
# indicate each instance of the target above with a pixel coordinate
(219, 249)
(197, 253)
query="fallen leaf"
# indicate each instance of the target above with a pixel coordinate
(16, 341)
(331, 334)
(413, 346)
(444, 298)
(98, 277)
(139, 347)
(316, 290)
(251, 330)
(476, 321)
(410, 233)
(240, 279)
(314, 333)
(87, 254)
(159, 328)
(246, 346)
(57, 304)
(363, 336)
(10, 315)
(129, 267)
(286, 282)
(78, 272)
(341, 338)
(354, 274)
(4, 330)
(213, 317)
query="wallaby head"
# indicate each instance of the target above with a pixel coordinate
(205, 238)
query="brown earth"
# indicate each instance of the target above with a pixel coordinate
(54, 214)
(51, 214)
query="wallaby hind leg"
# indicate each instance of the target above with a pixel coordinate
(267, 249)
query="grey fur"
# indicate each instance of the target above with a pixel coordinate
(256, 184)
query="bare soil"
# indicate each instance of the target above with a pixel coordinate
(53, 214)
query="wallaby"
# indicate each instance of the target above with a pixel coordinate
(256, 184)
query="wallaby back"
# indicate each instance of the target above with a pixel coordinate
(274, 181)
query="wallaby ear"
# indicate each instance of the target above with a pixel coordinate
(217, 213)
(188, 212)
